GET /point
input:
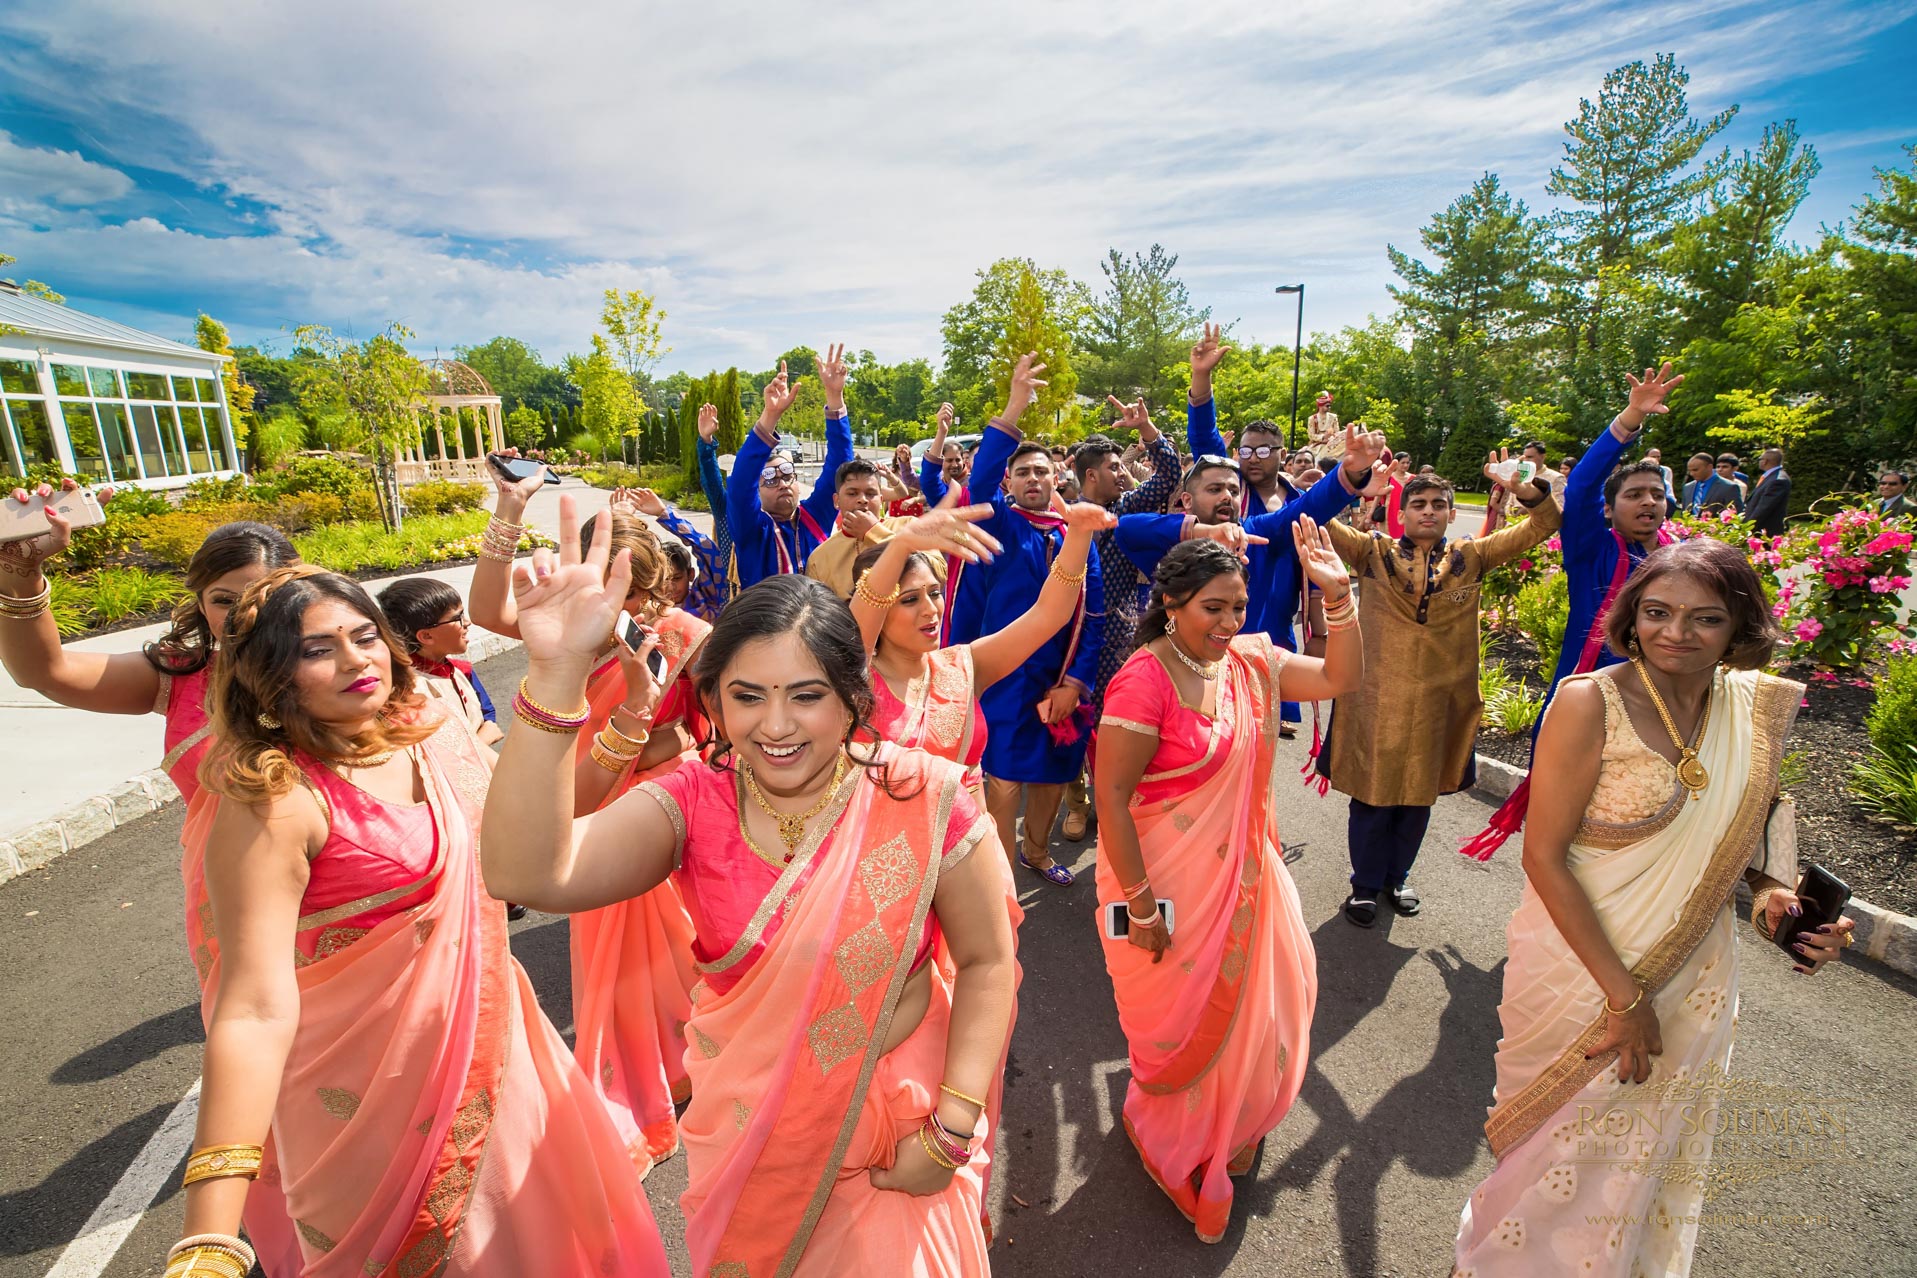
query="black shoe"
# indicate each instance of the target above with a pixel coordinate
(1405, 899)
(1361, 908)
(514, 913)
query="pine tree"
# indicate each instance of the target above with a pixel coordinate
(1032, 327)
(731, 412)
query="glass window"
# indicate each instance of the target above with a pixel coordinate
(30, 427)
(147, 386)
(156, 451)
(198, 456)
(83, 436)
(105, 383)
(9, 464)
(186, 390)
(17, 375)
(119, 442)
(70, 379)
(176, 442)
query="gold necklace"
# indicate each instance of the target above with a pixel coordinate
(1690, 773)
(791, 825)
(1203, 669)
(368, 761)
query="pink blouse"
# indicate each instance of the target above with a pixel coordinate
(379, 859)
(182, 699)
(940, 706)
(724, 879)
(1142, 698)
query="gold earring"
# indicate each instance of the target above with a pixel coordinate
(1631, 646)
(267, 721)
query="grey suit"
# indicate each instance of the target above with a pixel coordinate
(1770, 503)
(1719, 492)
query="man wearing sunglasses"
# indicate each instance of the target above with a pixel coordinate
(772, 530)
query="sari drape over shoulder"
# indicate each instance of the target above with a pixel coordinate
(940, 713)
(792, 1101)
(430, 1119)
(1577, 1181)
(1218, 1031)
(632, 972)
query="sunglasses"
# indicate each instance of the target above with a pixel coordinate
(776, 474)
(1261, 452)
(1205, 461)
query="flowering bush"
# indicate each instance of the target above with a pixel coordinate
(1502, 585)
(1726, 526)
(1844, 598)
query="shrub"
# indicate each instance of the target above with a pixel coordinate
(362, 547)
(1846, 602)
(114, 594)
(442, 496)
(1515, 710)
(1884, 784)
(326, 474)
(311, 510)
(1892, 719)
(68, 606)
(173, 537)
(615, 475)
(276, 438)
(1542, 611)
(212, 492)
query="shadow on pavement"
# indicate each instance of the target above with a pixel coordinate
(131, 1047)
(51, 1213)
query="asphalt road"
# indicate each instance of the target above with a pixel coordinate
(1365, 1177)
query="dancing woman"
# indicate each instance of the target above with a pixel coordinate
(1218, 1036)
(927, 696)
(1623, 968)
(851, 923)
(367, 1010)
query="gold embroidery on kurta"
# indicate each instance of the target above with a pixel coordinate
(313, 1237)
(836, 1035)
(702, 1041)
(864, 957)
(889, 872)
(741, 1114)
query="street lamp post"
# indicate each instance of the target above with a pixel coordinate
(1297, 354)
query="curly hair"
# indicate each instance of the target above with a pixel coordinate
(1718, 568)
(1185, 570)
(631, 533)
(188, 646)
(252, 762)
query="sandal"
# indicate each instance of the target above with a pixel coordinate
(1361, 908)
(1404, 899)
(1055, 872)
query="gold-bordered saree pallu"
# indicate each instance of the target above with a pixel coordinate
(1218, 1032)
(632, 968)
(430, 1119)
(1594, 1176)
(792, 1101)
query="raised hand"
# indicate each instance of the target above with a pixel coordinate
(1232, 537)
(778, 395)
(1363, 449)
(1649, 392)
(1207, 353)
(1527, 492)
(1133, 416)
(1025, 384)
(513, 495)
(1083, 515)
(947, 529)
(567, 602)
(832, 375)
(709, 413)
(1228, 436)
(643, 691)
(856, 523)
(1378, 479)
(647, 502)
(24, 557)
(1320, 558)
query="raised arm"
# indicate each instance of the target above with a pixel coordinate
(532, 850)
(1584, 521)
(1201, 413)
(490, 601)
(1146, 539)
(946, 530)
(744, 516)
(116, 683)
(1342, 667)
(1507, 543)
(1002, 434)
(932, 464)
(711, 481)
(256, 873)
(996, 655)
(1155, 493)
(838, 435)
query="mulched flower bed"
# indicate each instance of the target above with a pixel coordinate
(1878, 861)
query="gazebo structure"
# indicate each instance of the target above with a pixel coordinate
(453, 388)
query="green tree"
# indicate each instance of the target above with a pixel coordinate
(33, 287)
(512, 368)
(1031, 325)
(375, 386)
(525, 428)
(210, 335)
(609, 408)
(634, 325)
(732, 425)
(1881, 256)
(969, 375)
(1137, 330)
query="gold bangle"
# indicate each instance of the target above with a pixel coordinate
(217, 1161)
(584, 710)
(625, 741)
(208, 1262)
(932, 1151)
(969, 1100)
(611, 762)
(1620, 1011)
(1760, 917)
(228, 1242)
(27, 607)
(1071, 579)
(519, 713)
(864, 591)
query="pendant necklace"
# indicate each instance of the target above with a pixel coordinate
(792, 825)
(1203, 669)
(1690, 773)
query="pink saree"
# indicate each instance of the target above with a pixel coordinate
(792, 1101)
(1218, 1031)
(632, 972)
(430, 1119)
(940, 713)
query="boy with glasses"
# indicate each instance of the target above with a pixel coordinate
(429, 620)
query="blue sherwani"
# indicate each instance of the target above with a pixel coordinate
(1590, 552)
(756, 536)
(990, 596)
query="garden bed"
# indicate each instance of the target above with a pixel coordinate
(1879, 861)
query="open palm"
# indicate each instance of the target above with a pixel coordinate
(1319, 557)
(567, 604)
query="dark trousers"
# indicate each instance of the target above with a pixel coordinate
(1384, 843)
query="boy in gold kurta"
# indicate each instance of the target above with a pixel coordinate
(1409, 733)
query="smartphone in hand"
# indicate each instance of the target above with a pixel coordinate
(518, 469)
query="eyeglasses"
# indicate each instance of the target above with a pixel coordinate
(457, 619)
(1261, 451)
(777, 473)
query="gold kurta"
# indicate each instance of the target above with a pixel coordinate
(832, 561)
(1407, 735)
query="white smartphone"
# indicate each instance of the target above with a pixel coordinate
(1118, 918)
(20, 520)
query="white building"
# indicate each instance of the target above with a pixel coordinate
(107, 402)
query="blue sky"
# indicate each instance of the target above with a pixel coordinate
(779, 177)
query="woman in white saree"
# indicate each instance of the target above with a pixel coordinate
(1620, 996)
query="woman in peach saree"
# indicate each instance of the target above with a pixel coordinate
(1216, 1008)
(365, 1008)
(632, 967)
(855, 946)
(1621, 993)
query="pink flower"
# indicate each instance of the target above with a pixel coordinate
(1808, 629)
(1881, 586)
(1779, 608)
(1525, 565)
(1837, 579)
(1554, 544)
(1824, 676)
(1828, 540)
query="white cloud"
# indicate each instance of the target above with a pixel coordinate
(787, 175)
(41, 183)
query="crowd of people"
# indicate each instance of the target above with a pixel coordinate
(775, 776)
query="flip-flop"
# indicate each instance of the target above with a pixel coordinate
(1055, 872)
(1405, 899)
(1361, 909)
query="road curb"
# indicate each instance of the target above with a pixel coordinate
(1884, 935)
(96, 816)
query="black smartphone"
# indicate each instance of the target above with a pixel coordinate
(1823, 896)
(633, 635)
(519, 468)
